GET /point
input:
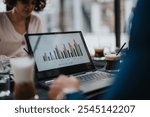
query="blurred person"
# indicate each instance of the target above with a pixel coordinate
(17, 21)
(132, 82)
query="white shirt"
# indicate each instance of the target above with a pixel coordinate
(12, 42)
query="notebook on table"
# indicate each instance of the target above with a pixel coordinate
(65, 53)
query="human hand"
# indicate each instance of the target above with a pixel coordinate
(61, 83)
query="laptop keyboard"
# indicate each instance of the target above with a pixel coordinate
(90, 81)
(95, 80)
(94, 76)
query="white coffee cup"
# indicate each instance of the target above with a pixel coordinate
(22, 69)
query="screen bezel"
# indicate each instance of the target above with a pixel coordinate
(51, 73)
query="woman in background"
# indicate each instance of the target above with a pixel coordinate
(16, 22)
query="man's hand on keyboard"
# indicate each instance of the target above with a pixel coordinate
(61, 84)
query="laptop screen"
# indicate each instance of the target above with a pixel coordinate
(56, 51)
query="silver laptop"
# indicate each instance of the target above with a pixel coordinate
(65, 53)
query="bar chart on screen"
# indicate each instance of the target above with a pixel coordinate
(59, 51)
(72, 50)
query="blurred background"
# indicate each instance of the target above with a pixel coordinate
(95, 18)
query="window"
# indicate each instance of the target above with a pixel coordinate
(2, 6)
(95, 18)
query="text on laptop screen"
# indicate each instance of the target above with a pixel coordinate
(53, 51)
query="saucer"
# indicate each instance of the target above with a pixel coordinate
(112, 71)
(99, 58)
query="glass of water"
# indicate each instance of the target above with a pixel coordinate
(4, 86)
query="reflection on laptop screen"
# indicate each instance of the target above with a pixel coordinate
(53, 51)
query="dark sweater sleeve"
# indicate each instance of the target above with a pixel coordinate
(133, 80)
(75, 96)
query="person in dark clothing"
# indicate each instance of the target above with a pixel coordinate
(133, 80)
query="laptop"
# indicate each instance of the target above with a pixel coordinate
(65, 53)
